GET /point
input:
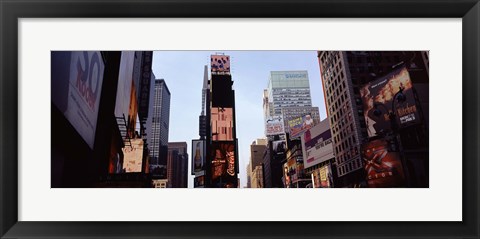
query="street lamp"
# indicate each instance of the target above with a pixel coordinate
(398, 97)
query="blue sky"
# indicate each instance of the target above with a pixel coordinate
(183, 74)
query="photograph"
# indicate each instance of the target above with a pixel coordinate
(240, 119)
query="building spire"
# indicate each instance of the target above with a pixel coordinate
(205, 87)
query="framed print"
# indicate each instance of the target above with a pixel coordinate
(55, 104)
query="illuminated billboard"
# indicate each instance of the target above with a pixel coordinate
(299, 125)
(383, 167)
(317, 144)
(223, 159)
(274, 125)
(220, 63)
(379, 94)
(198, 155)
(77, 79)
(222, 94)
(132, 156)
(222, 123)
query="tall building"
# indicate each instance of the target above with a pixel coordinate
(343, 74)
(257, 149)
(286, 89)
(199, 145)
(203, 118)
(177, 165)
(221, 142)
(158, 137)
(257, 177)
(286, 98)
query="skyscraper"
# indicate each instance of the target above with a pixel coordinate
(343, 74)
(287, 89)
(158, 136)
(198, 146)
(286, 98)
(203, 117)
(221, 146)
(177, 165)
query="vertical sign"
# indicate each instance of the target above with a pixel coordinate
(145, 79)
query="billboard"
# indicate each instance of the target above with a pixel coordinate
(325, 177)
(199, 182)
(220, 63)
(274, 125)
(322, 177)
(317, 144)
(379, 94)
(222, 93)
(222, 123)
(198, 153)
(223, 159)
(299, 125)
(125, 83)
(133, 156)
(76, 89)
(278, 147)
(383, 167)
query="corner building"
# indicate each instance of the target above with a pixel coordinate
(343, 73)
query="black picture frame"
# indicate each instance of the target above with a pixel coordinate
(11, 11)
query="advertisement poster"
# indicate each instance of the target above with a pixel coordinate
(198, 153)
(199, 182)
(132, 156)
(274, 126)
(299, 125)
(379, 94)
(291, 172)
(223, 159)
(325, 176)
(383, 168)
(220, 63)
(278, 147)
(80, 98)
(317, 144)
(222, 124)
